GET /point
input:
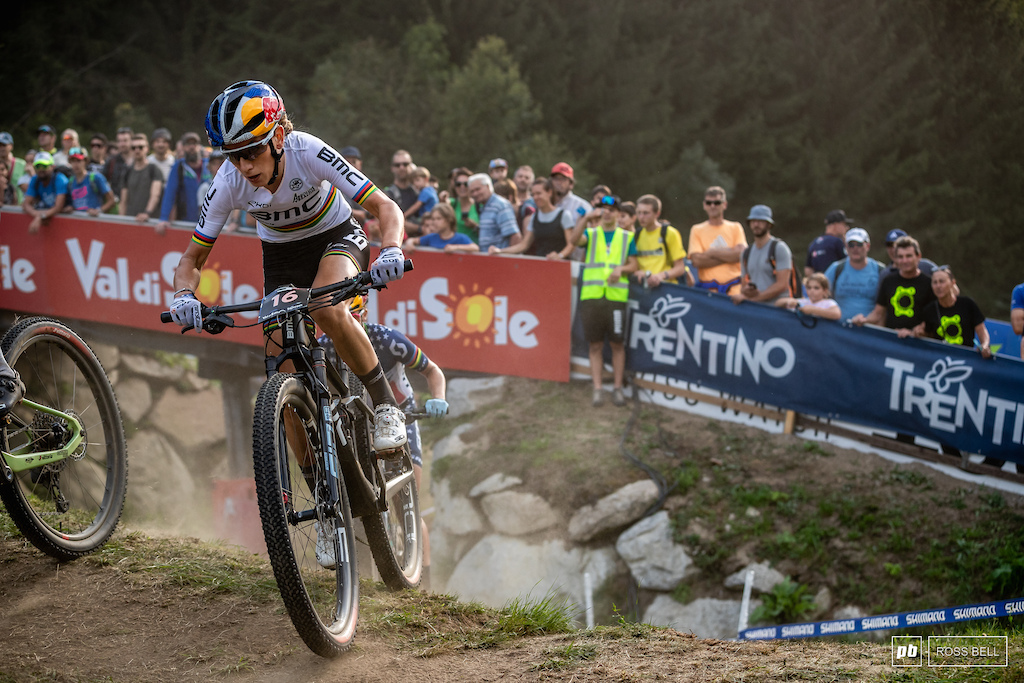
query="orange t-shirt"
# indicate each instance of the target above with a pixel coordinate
(704, 237)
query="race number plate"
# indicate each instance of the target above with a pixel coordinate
(282, 301)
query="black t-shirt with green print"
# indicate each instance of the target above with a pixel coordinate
(954, 324)
(904, 299)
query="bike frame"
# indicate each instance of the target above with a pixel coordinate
(25, 458)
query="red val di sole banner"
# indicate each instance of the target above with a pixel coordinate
(500, 315)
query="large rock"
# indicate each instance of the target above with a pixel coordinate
(453, 444)
(454, 513)
(614, 511)
(493, 484)
(765, 578)
(515, 514)
(499, 569)
(656, 561)
(135, 398)
(147, 366)
(466, 395)
(195, 421)
(160, 485)
(704, 617)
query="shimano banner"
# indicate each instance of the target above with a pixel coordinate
(866, 376)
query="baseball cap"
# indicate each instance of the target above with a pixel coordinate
(190, 136)
(894, 235)
(498, 163)
(43, 159)
(761, 212)
(837, 216)
(351, 153)
(162, 134)
(857, 235)
(45, 128)
(6, 139)
(76, 153)
(562, 168)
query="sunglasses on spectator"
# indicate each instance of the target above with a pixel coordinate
(249, 153)
(138, 147)
(713, 202)
(461, 183)
(855, 244)
(607, 200)
(96, 144)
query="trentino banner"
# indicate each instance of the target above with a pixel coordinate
(865, 376)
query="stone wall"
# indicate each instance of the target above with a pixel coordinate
(174, 426)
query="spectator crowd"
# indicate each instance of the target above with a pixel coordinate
(157, 179)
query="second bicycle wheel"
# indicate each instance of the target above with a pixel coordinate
(291, 490)
(69, 507)
(395, 536)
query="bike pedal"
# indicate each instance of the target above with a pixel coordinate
(390, 455)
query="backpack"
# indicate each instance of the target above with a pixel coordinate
(794, 284)
(664, 244)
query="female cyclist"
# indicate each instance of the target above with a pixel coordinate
(291, 183)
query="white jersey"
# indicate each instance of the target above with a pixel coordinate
(308, 201)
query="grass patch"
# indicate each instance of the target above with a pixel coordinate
(567, 656)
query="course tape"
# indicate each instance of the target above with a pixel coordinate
(838, 627)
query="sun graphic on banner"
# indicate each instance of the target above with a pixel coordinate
(474, 316)
(208, 290)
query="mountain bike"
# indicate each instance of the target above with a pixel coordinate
(64, 471)
(316, 471)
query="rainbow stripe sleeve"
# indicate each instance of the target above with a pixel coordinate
(365, 191)
(202, 240)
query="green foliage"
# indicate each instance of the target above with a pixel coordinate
(786, 603)
(523, 616)
(911, 120)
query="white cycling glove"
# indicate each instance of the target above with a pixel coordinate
(186, 310)
(437, 407)
(390, 265)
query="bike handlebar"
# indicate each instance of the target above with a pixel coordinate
(359, 284)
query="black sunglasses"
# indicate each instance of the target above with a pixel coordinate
(461, 183)
(713, 202)
(249, 153)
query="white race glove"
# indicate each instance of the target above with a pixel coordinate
(390, 265)
(437, 407)
(186, 310)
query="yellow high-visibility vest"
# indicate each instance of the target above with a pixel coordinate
(602, 259)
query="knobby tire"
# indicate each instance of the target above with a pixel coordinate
(69, 508)
(394, 536)
(322, 603)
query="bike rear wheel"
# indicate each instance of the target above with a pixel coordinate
(322, 603)
(71, 507)
(395, 535)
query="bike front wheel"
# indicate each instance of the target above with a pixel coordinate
(292, 492)
(69, 507)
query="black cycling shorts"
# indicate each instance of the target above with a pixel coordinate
(296, 263)
(603, 319)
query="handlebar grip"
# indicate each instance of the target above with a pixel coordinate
(165, 317)
(407, 265)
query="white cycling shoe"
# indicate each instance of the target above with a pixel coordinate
(388, 429)
(324, 547)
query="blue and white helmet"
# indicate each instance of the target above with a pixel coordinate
(246, 112)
